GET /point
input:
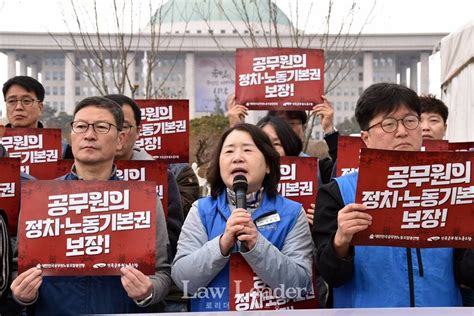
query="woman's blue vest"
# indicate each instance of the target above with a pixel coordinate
(214, 214)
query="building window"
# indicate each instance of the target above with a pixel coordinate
(199, 31)
(222, 31)
(61, 91)
(77, 76)
(61, 75)
(47, 75)
(361, 76)
(55, 91)
(55, 75)
(47, 90)
(61, 106)
(78, 91)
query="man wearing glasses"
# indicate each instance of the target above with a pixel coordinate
(96, 134)
(24, 98)
(364, 276)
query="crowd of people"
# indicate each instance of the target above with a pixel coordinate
(196, 240)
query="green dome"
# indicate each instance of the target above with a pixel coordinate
(175, 11)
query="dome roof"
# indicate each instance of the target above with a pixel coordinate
(178, 15)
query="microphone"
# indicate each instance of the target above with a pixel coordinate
(240, 186)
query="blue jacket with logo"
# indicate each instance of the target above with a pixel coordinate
(282, 254)
(394, 276)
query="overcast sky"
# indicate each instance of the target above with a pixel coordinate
(387, 16)
(393, 16)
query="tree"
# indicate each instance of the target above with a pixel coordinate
(265, 25)
(348, 126)
(106, 45)
(204, 135)
(57, 120)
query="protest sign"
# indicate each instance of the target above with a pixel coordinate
(164, 129)
(87, 227)
(417, 199)
(279, 78)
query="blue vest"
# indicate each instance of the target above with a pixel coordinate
(380, 277)
(214, 214)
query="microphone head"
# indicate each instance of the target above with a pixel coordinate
(240, 183)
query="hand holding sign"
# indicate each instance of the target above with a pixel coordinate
(310, 214)
(325, 112)
(25, 286)
(350, 220)
(236, 113)
(137, 285)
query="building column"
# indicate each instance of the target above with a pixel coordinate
(23, 66)
(424, 73)
(414, 75)
(34, 70)
(403, 75)
(190, 84)
(368, 69)
(69, 82)
(130, 73)
(11, 57)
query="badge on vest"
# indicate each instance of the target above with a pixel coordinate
(268, 219)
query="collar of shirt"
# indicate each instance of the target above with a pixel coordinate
(74, 176)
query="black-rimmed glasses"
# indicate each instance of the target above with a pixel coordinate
(390, 124)
(80, 127)
(25, 102)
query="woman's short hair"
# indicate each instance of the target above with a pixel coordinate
(261, 140)
(290, 142)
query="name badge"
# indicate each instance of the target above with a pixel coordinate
(272, 218)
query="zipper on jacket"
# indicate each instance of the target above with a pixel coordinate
(420, 261)
(410, 278)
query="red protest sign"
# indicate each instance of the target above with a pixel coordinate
(298, 180)
(33, 146)
(348, 150)
(279, 78)
(87, 227)
(53, 170)
(462, 146)
(10, 191)
(146, 170)
(128, 170)
(249, 292)
(435, 145)
(417, 199)
(164, 129)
